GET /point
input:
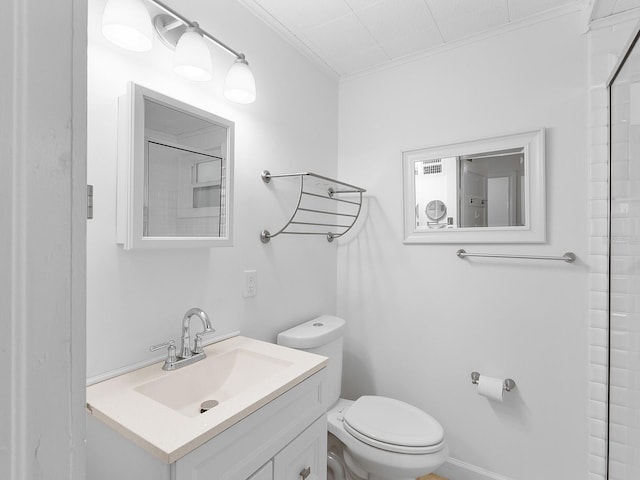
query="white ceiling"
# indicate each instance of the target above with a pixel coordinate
(606, 8)
(351, 36)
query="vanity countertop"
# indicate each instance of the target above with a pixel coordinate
(126, 403)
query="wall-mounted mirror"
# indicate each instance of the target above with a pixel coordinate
(482, 191)
(175, 173)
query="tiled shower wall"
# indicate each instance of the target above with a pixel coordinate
(607, 40)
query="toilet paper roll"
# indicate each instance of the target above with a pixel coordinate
(490, 387)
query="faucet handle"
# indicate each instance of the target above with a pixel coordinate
(197, 348)
(171, 350)
(169, 344)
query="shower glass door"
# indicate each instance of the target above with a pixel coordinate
(624, 269)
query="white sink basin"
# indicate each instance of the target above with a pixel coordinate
(217, 378)
(160, 410)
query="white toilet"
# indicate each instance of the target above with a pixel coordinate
(373, 438)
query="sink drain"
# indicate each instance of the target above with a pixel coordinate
(208, 405)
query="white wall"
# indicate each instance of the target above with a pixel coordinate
(419, 319)
(137, 298)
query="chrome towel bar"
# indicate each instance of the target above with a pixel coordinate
(568, 257)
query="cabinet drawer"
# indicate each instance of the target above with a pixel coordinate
(265, 473)
(306, 457)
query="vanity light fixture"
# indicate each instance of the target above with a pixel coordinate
(127, 24)
(192, 58)
(129, 19)
(239, 86)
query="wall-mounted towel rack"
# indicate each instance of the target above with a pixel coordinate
(310, 216)
(568, 257)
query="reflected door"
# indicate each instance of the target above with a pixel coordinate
(473, 195)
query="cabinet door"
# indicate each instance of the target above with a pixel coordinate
(265, 473)
(305, 458)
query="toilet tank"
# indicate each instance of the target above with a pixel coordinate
(323, 336)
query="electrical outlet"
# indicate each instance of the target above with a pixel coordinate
(250, 283)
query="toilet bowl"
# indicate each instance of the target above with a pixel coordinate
(387, 437)
(373, 437)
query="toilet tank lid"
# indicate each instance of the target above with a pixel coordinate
(313, 333)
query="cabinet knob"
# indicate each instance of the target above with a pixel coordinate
(305, 473)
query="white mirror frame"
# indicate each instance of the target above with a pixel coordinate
(534, 229)
(131, 174)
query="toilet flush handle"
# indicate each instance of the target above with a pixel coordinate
(305, 473)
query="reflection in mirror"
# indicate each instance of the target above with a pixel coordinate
(489, 190)
(435, 210)
(479, 190)
(175, 173)
(184, 186)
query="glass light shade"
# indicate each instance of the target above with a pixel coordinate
(127, 24)
(240, 86)
(192, 58)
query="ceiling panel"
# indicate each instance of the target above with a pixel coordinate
(624, 5)
(602, 8)
(606, 8)
(343, 33)
(343, 39)
(360, 4)
(349, 62)
(400, 31)
(411, 43)
(462, 18)
(519, 9)
(304, 14)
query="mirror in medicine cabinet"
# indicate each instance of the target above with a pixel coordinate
(483, 191)
(175, 173)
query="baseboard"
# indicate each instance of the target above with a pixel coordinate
(457, 470)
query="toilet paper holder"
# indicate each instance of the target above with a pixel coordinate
(508, 384)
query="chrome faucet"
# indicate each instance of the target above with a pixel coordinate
(185, 349)
(187, 355)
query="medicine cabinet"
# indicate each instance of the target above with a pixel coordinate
(175, 173)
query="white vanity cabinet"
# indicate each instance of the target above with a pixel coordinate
(304, 457)
(286, 439)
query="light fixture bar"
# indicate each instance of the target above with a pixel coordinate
(189, 23)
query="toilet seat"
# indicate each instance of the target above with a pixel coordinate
(382, 461)
(393, 425)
